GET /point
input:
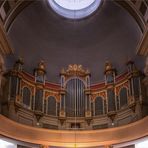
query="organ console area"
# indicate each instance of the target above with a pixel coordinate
(75, 103)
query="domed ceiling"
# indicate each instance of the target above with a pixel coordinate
(110, 33)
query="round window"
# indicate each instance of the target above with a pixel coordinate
(74, 9)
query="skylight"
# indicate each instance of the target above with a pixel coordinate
(74, 9)
(74, 4)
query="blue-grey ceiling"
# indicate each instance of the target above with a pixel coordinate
(109, 34)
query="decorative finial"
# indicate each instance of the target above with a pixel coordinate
(18, 65)
(41, 69)
(108, 66)
(20, 61)
(41, 65)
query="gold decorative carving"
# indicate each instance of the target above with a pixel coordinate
(24, 84)
(88, 117)
(41, 69)
(75, 70)
(102, 94)
(99, 94)
(112, 115)
(108, 67)
(118, 88)
(62, 116)
(54, 94)
(18, 98)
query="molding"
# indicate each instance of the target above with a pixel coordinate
(4, 43)
(128, 6)
(68, 138)
(143, 45)
(20, 5)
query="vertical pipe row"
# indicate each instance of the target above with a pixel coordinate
(75, 98)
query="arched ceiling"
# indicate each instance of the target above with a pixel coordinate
(109, 34)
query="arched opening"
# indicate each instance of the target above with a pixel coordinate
(111, 100)
(98, 106)
(51, 110)
(26, 96)
(39, 100)
(123, 97)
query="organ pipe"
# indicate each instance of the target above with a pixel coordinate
(75, 97)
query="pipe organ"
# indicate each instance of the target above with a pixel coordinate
(75, 102)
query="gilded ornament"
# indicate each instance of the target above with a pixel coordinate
(75, 70)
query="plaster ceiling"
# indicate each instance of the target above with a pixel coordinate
(109, 34)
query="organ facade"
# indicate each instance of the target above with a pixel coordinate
(75, 103)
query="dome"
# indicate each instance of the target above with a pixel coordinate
(89, 42)
(79, 81)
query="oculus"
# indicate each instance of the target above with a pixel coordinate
(74, 9)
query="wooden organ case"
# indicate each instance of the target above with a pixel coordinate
(75, 103)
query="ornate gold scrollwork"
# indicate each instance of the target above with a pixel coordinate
(118, 88)
(41, 68)
(99, 94)
(108, 67)
(75, 70)
(52, 93)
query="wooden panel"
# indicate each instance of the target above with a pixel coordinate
(68, 138)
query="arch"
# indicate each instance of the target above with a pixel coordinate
(75, 77)
(39, 100)
(98, 106)
(26, 94)
(51, 109)
(111, 100)
(123, 94)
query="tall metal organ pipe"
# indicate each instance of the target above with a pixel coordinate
(75, 98)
